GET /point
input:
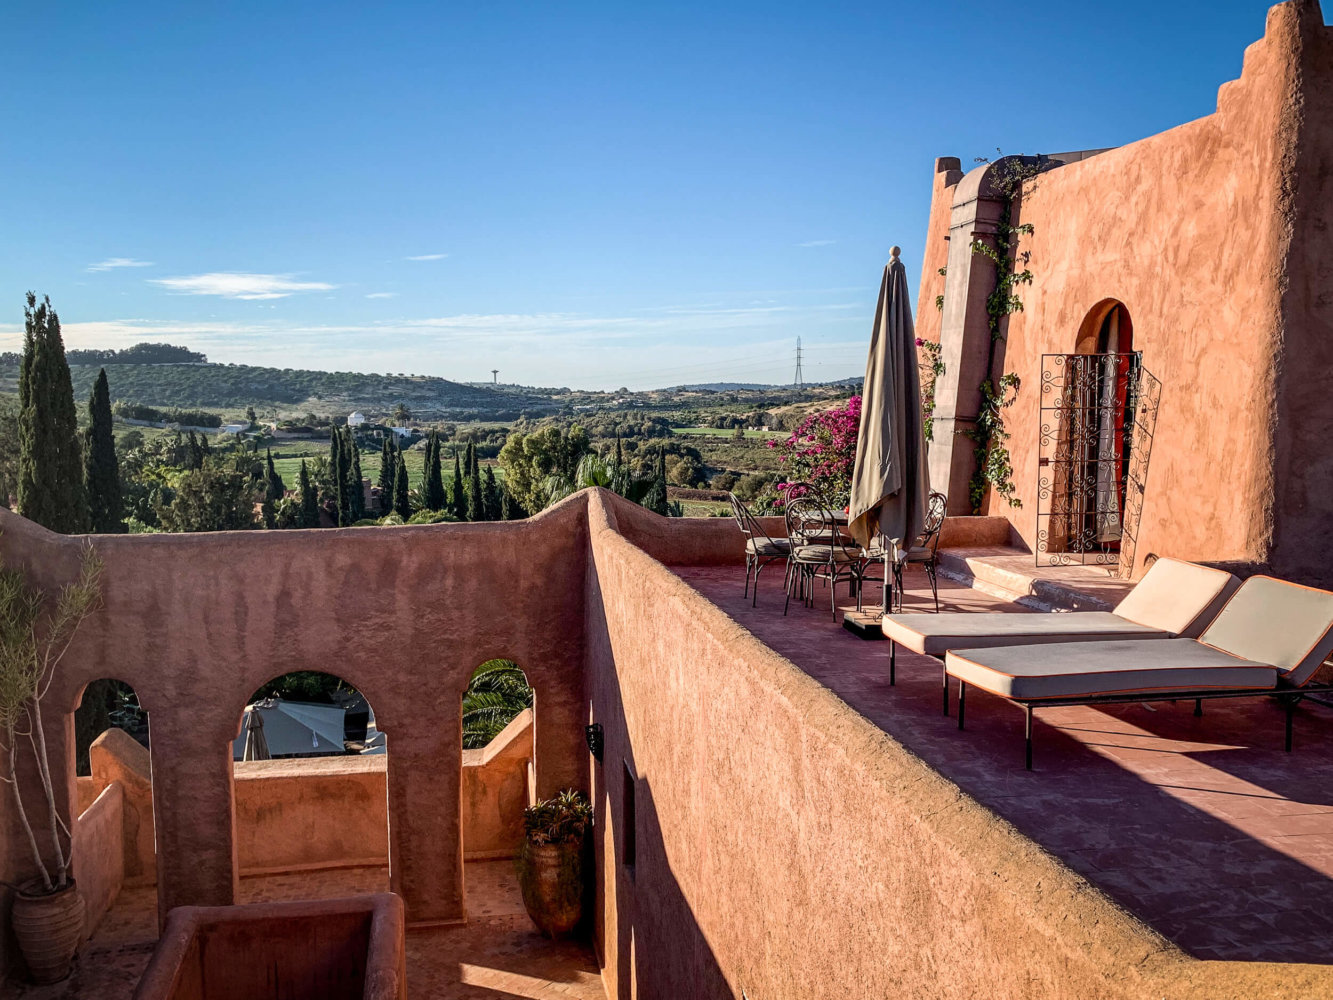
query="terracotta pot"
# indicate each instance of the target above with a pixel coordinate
(551, 877)
(49, 927)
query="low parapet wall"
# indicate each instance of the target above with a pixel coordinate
(302, 814)
(98, 851)
(787, 847)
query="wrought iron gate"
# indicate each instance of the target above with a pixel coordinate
(1098, 413)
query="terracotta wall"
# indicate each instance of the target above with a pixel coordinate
(948, 173)
(196, 623)
(314, 813)
(117, 757)
(98, 851)
(335, 949)
(787, 847)
(1304, 460)
(332, 811)
(1199, 232)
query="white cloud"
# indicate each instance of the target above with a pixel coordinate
(428, 256)
(241, 285)
(114, 262)
(817, 243)
(381, 295)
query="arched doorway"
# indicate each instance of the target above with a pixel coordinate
(309, 785)
(114, 806)
(497, 782)
(1106, 329)
(1087, 424)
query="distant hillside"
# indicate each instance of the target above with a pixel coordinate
(234, 387)
(724, 386)
(851, 381)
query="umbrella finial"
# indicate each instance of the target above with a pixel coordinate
(894, 252)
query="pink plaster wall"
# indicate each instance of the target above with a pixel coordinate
(1213, 236)
(787, 847)
(117, 757)
(340, 949)
(936, 250)
(99, 854)
(196, 623)
(302, 814)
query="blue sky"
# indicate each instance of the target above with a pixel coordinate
(579, 194)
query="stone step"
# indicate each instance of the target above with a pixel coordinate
(1013, 575)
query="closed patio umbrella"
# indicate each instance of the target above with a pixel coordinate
(256, 746)
(889, 479)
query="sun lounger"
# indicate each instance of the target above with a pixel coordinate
(1173, 599)
(1269, 639)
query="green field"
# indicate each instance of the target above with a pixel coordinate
(723, 432)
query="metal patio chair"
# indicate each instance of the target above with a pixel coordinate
(818, 551)
(925, 551)
(760, 548)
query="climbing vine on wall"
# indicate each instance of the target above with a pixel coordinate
(994, 469)
(932, 367)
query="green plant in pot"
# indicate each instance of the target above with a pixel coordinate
(551, 863)
(35, 632)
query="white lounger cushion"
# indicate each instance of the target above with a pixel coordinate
(1089, 669)
(935, 635)
(1178, 597)
(1173, 598)
(1276, 622)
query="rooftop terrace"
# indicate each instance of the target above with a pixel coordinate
(1204, 828)
(771, 815)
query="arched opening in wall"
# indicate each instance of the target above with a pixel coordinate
(1095, 400)
(112, 840)
(309, 782)
(498, 781)
(1106, 329)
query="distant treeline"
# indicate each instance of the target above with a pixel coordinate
(139, 354)
(189, 418)
(235, 387)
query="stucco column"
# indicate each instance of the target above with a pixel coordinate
(425, 813)
(193, 809)
(964, 337)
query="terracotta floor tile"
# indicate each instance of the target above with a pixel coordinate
(1152, 804)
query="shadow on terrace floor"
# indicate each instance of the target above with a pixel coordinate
(498, 956)
(1202, 827)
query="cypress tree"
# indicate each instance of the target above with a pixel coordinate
(457, 498)
(433, 487)
(50, 467)
(475, 510)
(355, 484)
(309, 514)
(274, 487)
(619, 473)
(510, 508)
(490, 496)
(400, 505)
(338, 471)
(193, 456)
(388, 464)
(656, 500)
(101, 470)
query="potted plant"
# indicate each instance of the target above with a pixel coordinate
(35, 632)
(551, 861)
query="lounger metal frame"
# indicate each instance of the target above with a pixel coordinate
(1289, 698)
